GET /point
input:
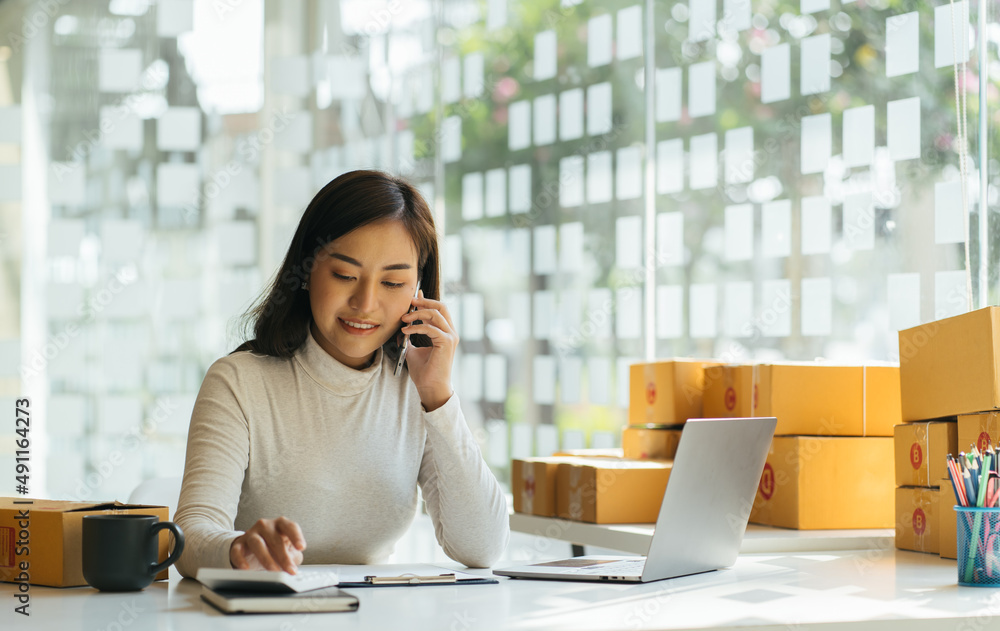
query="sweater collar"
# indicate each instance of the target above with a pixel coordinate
(333, 375)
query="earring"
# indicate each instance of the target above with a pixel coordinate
(304, 285)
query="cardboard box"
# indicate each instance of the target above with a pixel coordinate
(55, 538)
(950, 367)
(611, 491)
(650, 443)
(812, 482)
(726, 390)
(978, 430)
(808, 399)
(917, 520)
(947, 524)
(667, 392)
(533, 484)
(922, 450)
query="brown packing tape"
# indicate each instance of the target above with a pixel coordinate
(649, 371)
(923, 435)
(729, 381)
(528, 487)
(576, 493)
(916, 456)
(649, 374)
(927, 459)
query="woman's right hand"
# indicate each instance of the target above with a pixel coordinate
(270, 544)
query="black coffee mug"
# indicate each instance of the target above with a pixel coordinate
(120, 551)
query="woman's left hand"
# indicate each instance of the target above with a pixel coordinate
(430, 366)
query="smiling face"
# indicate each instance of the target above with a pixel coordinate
(359, 288)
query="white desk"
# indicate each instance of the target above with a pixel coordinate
(634, 538)
(885, 589)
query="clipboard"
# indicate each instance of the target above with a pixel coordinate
(360, 576)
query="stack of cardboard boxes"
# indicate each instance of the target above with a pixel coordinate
(949, 372)
(921, 472)
(602, 488)
(663, 395)
(830, 463)
(594, 489)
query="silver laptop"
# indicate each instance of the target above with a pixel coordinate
(704, 512)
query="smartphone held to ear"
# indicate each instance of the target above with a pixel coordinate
(418, 340)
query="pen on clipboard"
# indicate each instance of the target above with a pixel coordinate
(409, 579)
(406, 337)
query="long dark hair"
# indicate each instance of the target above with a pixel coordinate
(280, 317)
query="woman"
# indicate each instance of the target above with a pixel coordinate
(304, 433)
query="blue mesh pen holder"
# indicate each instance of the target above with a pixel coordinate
(978, 546)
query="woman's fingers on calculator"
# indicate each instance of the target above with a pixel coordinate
(270, 544)
(294, 555)
(237, 556)
(260, 549)
(286, 543)
(250, 553)
(283, 554)
(291, 530)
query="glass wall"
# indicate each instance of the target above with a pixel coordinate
(613, 181)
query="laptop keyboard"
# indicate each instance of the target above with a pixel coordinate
(617, 568)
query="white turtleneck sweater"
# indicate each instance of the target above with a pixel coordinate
(340, 452)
